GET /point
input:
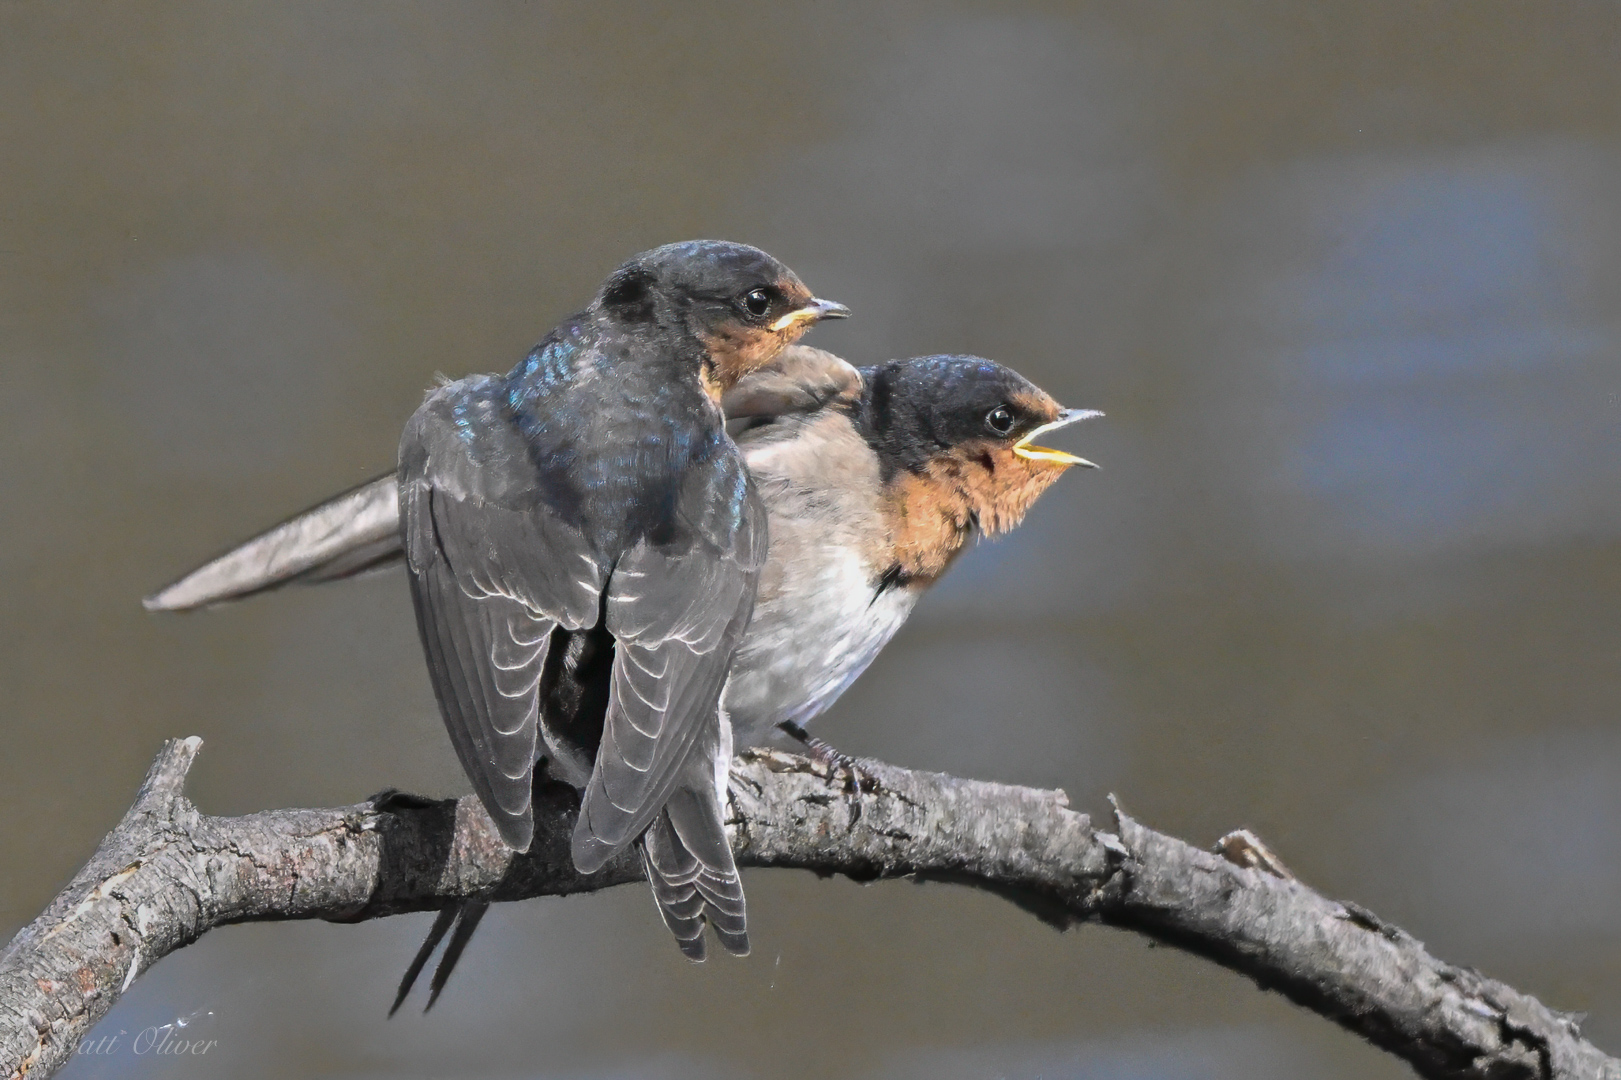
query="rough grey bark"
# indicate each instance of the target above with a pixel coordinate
(167, 874)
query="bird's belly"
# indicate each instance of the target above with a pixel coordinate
(808, 641)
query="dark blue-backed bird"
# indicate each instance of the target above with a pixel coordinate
(591, 499)
(873, 481)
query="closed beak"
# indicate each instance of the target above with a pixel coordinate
(813, 312)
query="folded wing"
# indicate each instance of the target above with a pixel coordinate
(494, 572)
(677, 607)
(344, 536)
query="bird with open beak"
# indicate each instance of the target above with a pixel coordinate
(873, 480)
(873, 492)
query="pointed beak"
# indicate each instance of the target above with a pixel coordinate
(813, 312)
(1026, 447)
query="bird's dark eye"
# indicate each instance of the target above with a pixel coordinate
(1000, 419)
(758, 302)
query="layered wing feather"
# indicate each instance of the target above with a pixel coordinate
(676, 610)
(799, 383)
(494, 571)
(347, 535)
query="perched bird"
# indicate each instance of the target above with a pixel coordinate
(873, 480)
(584, 544)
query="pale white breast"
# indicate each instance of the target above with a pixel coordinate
(819, 620)
(807, 644)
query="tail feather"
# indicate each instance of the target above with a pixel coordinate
(441, 925)
(465, 916)
(472, 914)
(671, 870)
(694, 877)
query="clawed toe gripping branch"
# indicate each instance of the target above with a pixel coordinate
(167, 874)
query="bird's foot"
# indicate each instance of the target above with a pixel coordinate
(857, 778)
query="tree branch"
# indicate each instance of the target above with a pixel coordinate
(167, 874)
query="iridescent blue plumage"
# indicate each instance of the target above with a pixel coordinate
(589, 503)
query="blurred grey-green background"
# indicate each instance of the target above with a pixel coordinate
(1345, 277)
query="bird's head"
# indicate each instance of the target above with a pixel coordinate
(742, 305)
(956, 439)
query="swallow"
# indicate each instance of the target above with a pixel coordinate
(873, 480)
(584, 543)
